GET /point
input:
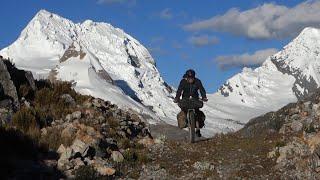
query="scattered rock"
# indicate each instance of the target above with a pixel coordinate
(68, 132)
(203, 166)
(68, 99)
(106, 171)
(76, 115)
(79, 146)
(117, 156)
(296, 126)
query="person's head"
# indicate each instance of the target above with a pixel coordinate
(190, 75)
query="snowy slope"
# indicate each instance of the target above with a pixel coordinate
(285, 77)
(105, 62)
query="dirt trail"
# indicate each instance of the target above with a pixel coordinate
(220, 157)
(171, 132)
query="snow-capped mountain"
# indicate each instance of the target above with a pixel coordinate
(285, 77)
(105, 62)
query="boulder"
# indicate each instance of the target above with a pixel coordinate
(296, 126)
(67, 153)
(77, 163)
(28, 75)
(78, 146)
(146, 142)
(68, 117)
(7, 84)
(106, 171)
(76, 115)
(117, 156)
(68, 132)
(61, 149)
(68, 99)
(97, 103)
(6, 103)
(203, 166)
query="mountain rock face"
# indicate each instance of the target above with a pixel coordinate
(6, 85)
(105, 62)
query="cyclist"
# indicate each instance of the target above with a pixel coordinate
(188, 88)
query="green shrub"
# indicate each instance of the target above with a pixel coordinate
(124, 143)
(130, 155)
(52, 140)
(24, 119)
(86, 173)
(280, 143)
(113, 123)
(143, 158)
(26, 91)
(48, 97)
(310, 129)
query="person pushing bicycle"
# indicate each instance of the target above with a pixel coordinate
(188, 88)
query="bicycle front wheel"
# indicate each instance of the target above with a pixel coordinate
(192, 126)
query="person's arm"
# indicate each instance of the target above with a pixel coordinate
(179, 91)
(202, 90)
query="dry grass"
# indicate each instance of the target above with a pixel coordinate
(25, 119)
(48, 98)
(52, 140)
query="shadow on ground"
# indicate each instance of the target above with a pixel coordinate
(22, 158)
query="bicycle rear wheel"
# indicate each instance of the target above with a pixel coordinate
(192, 125)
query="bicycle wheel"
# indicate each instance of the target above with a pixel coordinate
(192, 125)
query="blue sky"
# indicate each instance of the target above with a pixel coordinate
(216, 38)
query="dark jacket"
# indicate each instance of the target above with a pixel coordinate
(190, 89)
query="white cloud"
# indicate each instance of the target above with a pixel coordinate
(166, 14)
(263, 22)
(246, 59)
(203, 40)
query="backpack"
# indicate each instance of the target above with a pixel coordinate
(200, 117)
(181, 117)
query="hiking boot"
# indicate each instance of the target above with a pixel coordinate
(198, 133)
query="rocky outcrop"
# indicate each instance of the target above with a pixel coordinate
(72, 52)
(11, 80)
(9, 90)
(297, 155)
(90, 129)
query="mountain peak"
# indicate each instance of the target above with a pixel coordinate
(309, 36)
(309, 31)
(90, 54)
(43, 12)
(45, 15)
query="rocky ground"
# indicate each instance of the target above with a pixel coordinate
(48, 131)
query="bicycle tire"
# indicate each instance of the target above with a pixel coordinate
(192, 126)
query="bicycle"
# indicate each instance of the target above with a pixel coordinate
(191, 124)
(191, 104)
